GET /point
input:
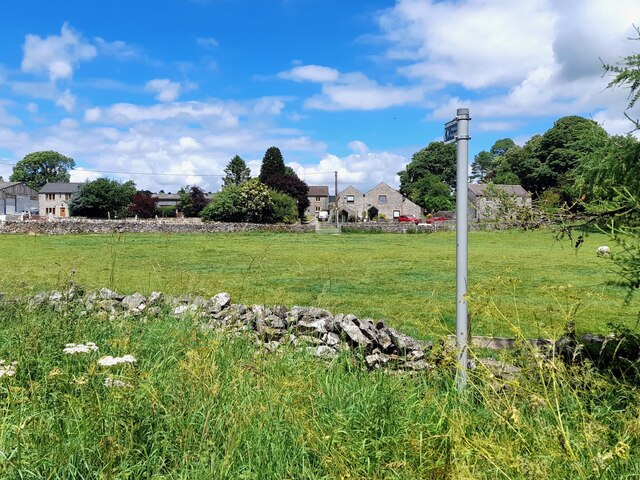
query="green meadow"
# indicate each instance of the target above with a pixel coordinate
(193, 403)
(522, 282)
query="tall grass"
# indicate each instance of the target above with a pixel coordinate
(203, 404)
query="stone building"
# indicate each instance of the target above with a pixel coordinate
(381, 201)
(485, 200)
(54, 198)
(16, 198)
(318, 200)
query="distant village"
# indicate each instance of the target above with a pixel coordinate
(380, 203)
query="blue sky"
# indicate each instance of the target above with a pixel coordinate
(176, 88)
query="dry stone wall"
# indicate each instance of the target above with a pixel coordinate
(76, 226)
(318, 331)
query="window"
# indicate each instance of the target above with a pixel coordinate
(317, 209)
(351, 198)
(317, 199)
(382, 199)
(49, 210)
(396, 213)
(67, 196)
(51, 196)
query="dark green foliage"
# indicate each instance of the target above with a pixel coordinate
(192, 201)
(249, 202)
(143, 204)
(432, 194)
(548, 161)
(292, 186)
(166, 212)
(236, 172)
(272, 164)
(481, 166)
(38, 168)
(436, 159)
(610, 168)
(225, 206)
(284, 207)
(102, 198)
(500, 147)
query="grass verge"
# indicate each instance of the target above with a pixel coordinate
(197, 404)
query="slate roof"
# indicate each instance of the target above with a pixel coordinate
(4, 185)
(318, 191)
(60, 187)
(513, 190)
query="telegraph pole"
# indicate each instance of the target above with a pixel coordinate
(458, 130)
(336, 197)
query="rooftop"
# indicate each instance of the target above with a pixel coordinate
(318, 191)
(60, 187)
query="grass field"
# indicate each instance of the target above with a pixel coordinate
(198, 404)
(521, 280)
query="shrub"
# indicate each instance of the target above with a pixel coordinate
(225, 206)
(284, 207)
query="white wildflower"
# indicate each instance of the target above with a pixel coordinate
(7, 369)
(71, 348)
(109, 361)
(110, 382)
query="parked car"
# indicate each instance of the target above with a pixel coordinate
(437, 219)
(408, 219)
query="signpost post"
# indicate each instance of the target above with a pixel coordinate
(457, 130)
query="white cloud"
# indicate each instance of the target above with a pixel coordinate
(66, 100)
(354, 91)
(117, 49)
(166, 90)
(32, 107)
(127, 113)
(311, 73)
(207, 42)
(82, 175)
(513, 59)
(7, 119)
(351, 91)
(362, 170)
(358, 147)
(56, 55)
(269, 106)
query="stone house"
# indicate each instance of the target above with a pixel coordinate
(381, 201)
(485, 202)
(318, 200)
(54, 198)
(17, 197)
(167, 199)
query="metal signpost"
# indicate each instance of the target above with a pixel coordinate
(457, 130)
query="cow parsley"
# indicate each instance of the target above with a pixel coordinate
(7, 369)
(109, 361)
(72, 348)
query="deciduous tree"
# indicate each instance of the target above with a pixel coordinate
(192, 200)
(143, 204)
(38, 168)
(102, 198)
(437, 158)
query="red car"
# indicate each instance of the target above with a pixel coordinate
(408, 219)
(437, 219)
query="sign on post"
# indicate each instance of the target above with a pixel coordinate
(450, 131)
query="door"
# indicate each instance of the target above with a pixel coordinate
(63, 211)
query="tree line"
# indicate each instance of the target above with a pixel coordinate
(573, 162)
(276, 195)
